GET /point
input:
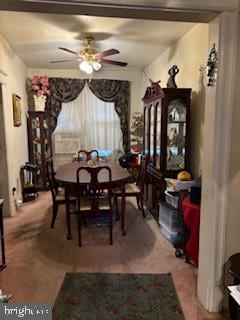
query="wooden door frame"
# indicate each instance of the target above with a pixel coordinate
(216, 165)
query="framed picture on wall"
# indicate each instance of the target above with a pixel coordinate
(17, 112)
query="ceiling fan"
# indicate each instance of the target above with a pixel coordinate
(91, 60)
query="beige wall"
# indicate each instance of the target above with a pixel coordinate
(189, 53)
(14, 73)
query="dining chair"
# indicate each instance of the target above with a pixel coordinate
(58, 194)
(134, 189)
(89, 154)
(93, 203)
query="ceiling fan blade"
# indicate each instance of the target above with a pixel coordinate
(63, 60)
(106, 53)
(116, 63)
(68, 50)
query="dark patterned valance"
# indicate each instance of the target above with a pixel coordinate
(118, 92)
(65, 90)
(61, 90)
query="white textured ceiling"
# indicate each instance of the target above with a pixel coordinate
(35, 37)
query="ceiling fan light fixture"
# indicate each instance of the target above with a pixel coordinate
(85, 66)
(96, 65)
(90, 59)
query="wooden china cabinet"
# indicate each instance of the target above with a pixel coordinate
(39, 144)
(166, 139)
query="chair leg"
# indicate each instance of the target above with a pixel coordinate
(54, 214)
(141, 204)
(85, 223)
(110, 230)
(116, 207)
(79, 230)
(138, 201)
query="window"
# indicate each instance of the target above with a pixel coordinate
(87, 123)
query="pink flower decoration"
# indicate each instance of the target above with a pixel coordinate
(136, 148)
(40, 85)
(44, 80)
(35, 87)
(40, 93)
(44, 89)
(35, 80)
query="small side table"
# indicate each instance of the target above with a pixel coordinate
(234, 270)
(2, 257)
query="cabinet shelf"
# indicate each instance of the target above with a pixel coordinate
(182, 146)
(171, 122)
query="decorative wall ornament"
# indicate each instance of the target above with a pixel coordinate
(173, 71)
(17, 112)
(211, 66)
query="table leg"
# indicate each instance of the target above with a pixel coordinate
(69, 236)
(123, 202)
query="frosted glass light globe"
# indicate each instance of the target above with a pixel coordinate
(86, 67)
(96, 65)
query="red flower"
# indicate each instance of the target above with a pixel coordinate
(136, 148)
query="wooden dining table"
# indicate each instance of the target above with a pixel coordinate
(67, 178)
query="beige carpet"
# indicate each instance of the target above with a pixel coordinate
(38, 257)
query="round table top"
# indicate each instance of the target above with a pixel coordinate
(67, 173)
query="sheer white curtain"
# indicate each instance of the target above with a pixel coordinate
(86, 123)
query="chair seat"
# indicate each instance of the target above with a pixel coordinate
(130, 188)
(61, 196)
(85, 203)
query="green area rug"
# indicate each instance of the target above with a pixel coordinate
(106, 296)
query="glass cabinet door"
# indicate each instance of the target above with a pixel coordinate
(45, 137)
(36, 136)
(158, 134)
(146, 146)
(176, 134)
(152, 137)
(39, 144)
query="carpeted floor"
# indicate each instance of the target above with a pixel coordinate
(38, 257)
(98, 296)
